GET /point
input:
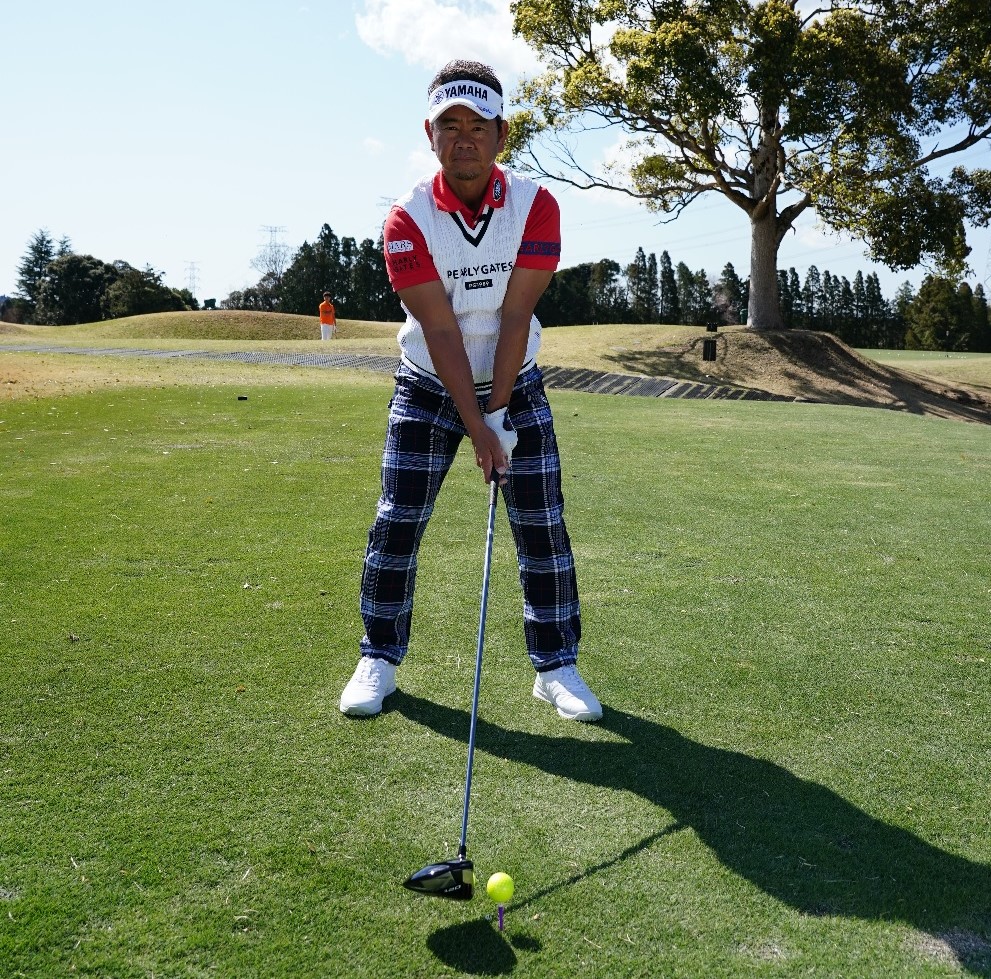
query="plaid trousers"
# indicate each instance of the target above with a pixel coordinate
(423, 435)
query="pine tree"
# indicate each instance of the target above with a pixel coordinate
(812, 298)
(670, 308)
(41, 252)
(653, 290)
(636, 287)
(729, 296)
(795, 296)
(982, 322)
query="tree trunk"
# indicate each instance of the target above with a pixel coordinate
(763, 306)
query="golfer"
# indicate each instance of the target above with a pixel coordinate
(328, 319)
(469, 250)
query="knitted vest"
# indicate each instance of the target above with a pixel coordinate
(474, 265)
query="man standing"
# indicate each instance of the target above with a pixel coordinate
(328, 321)
(469, 251)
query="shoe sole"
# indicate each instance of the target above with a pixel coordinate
(582, 715)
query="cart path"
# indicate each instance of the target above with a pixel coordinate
(568, 378)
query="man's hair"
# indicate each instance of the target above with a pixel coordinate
(470, 71)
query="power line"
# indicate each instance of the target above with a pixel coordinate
(273, 231)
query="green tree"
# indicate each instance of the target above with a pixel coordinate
(566, 300)
(355, 276)
(829, 314)
(134, 292)
(790, 293)
(263, 297)
(729, 295)
(843, 108)
(607, 298)
(669, 309)
(642, 289)
(74, 290)
(904, 297)
(372, 297)
(940, 316)
(586, 293)
(982, 322)
(877, 316)
(845, 317)
(812, 298)
(41, 251)
(315, 269)
(695, 299)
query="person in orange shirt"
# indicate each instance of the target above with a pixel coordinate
(328, 321)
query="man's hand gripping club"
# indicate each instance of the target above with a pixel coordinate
(499, 423)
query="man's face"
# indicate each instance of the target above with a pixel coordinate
(466, 144)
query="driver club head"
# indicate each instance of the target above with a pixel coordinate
(453, 879)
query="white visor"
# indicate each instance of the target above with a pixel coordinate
(487, 102)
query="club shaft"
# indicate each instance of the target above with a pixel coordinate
(493, 496)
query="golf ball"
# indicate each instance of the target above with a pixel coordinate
(500, 888)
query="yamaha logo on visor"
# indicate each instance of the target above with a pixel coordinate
(487, 102)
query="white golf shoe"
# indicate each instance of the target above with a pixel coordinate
(373, 681)
(569, 693)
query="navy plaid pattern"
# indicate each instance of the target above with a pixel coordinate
(422, 438)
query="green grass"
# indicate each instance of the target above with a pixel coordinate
(785, 613)
(956, 368)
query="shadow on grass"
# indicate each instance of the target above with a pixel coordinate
(798, 841)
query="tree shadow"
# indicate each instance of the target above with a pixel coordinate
(798, 841)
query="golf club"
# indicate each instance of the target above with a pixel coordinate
(455, 879)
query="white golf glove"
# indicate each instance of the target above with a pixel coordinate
(498, 421)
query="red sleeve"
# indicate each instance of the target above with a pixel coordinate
(541, 245)
(407, 258)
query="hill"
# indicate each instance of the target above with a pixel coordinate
(219, 324)
(811, 366)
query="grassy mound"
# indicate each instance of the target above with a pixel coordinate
(814, 367)
(223, 324)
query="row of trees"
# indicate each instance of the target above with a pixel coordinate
(58, 287)
(354, 274)
(944, 315)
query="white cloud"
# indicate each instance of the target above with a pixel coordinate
(428, 33)
(373, 146)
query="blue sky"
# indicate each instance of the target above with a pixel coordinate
(168, 134)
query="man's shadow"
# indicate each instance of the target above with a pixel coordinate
(796, 840)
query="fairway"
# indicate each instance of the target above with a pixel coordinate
(785, 616)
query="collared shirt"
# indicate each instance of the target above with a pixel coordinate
(409, 262)
(430, 235)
